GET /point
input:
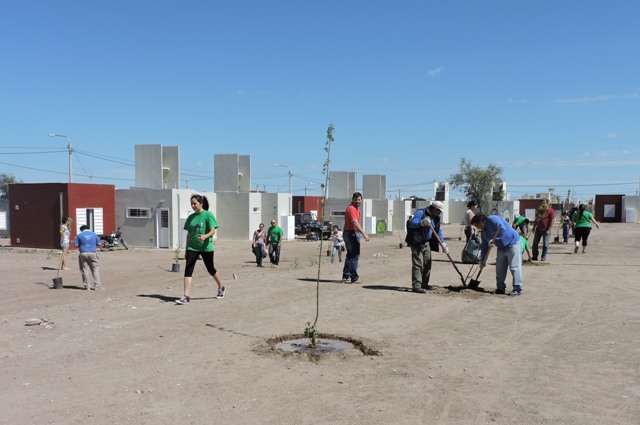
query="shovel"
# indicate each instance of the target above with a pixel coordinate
(464, 282)
(57, 281)
(474, 283)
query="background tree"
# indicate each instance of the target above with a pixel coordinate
(476, 182)
(5, 181)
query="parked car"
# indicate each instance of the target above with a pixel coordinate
(306, 224)
(327, 229)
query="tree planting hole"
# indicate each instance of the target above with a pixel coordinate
(326, 346)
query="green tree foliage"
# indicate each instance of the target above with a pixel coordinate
(476, 182)
(5, 181)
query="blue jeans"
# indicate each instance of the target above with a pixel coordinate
(259, 252)
(338, 249)
(509, 258)
(274, 253)
(565, 233)
(545, 244)
(352, 243)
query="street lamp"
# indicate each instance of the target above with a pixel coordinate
(290, 177)
(70, 148)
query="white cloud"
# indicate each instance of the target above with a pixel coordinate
(611, 136)
(435, 72)
(518, 101)
(239, 92)
(601, 98)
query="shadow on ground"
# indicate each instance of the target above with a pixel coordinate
(168, 299)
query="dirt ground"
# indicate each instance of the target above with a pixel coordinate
(565, 352)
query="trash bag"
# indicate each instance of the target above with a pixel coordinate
(471, 251)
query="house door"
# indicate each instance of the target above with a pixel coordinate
(163, 228)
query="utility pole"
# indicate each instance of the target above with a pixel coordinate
(70, 148)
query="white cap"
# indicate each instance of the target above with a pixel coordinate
(437, 205)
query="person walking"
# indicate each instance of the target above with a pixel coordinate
(65, 232)
(258, 244)
(472, 206)
(422, 241)
(200, 227)
(542, 229)
(566, 227)
(87, 241)
(508, 252)
(582, 220)
(274, 236)
(352, 230)
(338, 243)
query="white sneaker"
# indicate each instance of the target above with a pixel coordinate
(183, 300)
(220, 293)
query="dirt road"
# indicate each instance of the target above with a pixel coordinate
(566, 352)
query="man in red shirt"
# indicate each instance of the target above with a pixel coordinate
(545, 215)
(352, 239)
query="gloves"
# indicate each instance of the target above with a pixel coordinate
(445, 248)
(425, 221)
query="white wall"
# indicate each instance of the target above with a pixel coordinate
(631, 209)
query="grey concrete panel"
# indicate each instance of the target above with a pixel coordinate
(374, 186)
(148, 166)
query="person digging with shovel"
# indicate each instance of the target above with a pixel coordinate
(508, 247)
(422, 240)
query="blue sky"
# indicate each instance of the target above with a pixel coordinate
(547, 90)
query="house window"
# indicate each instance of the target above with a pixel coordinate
(138, 212)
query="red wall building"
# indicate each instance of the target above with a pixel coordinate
(36, 211)
(302, 204)
(613, 206)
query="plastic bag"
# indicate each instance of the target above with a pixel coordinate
(471, 251)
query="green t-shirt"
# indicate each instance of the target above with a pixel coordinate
(584, 221)
(274, 234)
(525, 243)
(519, 220)
(200, 224)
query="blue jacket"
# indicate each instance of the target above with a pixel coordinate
(424, 233)
(87, 241)
(507, 237)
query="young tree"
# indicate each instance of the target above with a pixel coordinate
(5, 181)
(477, 182)
(310, 330)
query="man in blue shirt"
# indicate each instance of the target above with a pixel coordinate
(509, 250)
(87, 241)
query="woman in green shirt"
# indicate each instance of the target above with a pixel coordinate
(200, 227)
(582, 227)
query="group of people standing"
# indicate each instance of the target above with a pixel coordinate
(424, 235)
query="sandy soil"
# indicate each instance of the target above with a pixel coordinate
(566, 352)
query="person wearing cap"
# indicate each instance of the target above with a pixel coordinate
(421, 240)
(509, 250)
